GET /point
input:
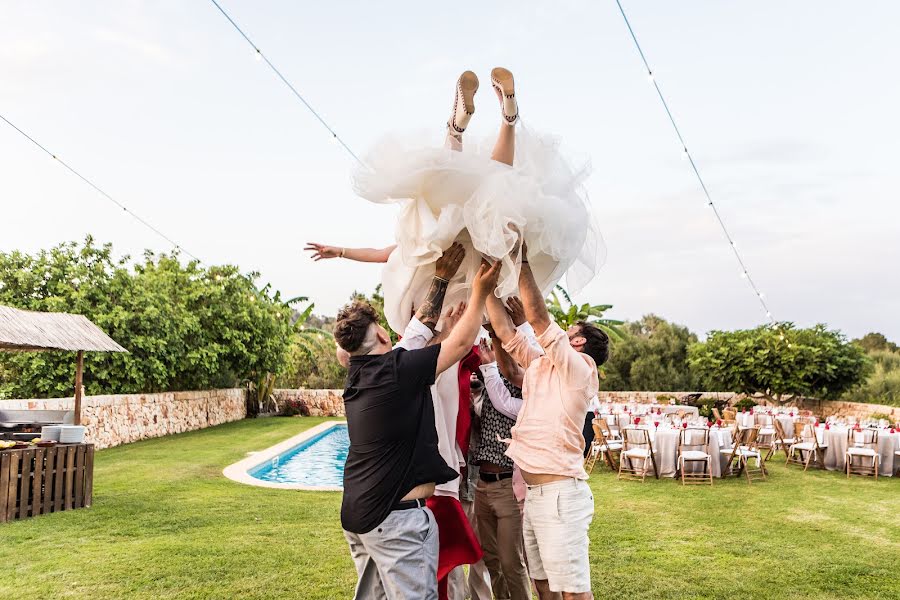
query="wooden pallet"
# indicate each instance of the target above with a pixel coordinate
(36, 481)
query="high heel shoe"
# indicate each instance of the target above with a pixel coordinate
(503, 83)
(463, 104)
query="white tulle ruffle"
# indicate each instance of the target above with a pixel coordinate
(466, 196)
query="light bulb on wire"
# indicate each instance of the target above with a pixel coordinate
(258, 55)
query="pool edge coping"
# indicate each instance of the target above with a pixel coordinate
(240, 471)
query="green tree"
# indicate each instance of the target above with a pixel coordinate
(566, 313)
(185, 326)
(377, 302)
(780, 362)
(874, 341)
(651, 356)
(312, 362)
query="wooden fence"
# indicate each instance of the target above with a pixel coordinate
(36, 481)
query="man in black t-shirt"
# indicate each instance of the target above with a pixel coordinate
(393, 463)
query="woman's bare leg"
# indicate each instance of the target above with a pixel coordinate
(505, 148)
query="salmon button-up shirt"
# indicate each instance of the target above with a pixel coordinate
(559, 385)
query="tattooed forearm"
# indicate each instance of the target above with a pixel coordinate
(430, 311)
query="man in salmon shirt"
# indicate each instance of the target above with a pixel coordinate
(547, 442)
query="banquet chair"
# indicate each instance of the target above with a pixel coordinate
(897, 461)
(730, 416)
(623, 420)
(637, 447)
(807, 449)
(863, 444)
(605, 444)
(693, 447)
(767, 432)
(781, 442)
(744, 451)
(613, 444)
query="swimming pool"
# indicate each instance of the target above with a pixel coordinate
(311, 460)
(318, 461)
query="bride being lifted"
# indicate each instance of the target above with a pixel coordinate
(485, 197)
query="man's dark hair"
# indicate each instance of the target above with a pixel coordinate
(597, 344)
(352, 325)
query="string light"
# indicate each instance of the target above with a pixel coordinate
(261, 56)
(687, 156)
(176, 246)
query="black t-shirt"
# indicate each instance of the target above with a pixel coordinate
(393, 441)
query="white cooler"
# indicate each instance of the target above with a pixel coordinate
(71, 434)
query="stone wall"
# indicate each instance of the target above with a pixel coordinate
(124, 418)
(836, 408)
(329, 403)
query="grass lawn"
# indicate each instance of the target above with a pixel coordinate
(166, 524)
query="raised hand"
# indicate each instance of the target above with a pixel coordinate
(321, 251)
(448, 264)
(453, 316)
(485, 281)
(486, 353)
(516, 311)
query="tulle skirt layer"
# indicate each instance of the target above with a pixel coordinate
(449, 196)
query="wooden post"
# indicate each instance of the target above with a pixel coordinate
(79, 369)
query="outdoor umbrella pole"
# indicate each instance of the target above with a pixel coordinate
(79, 368)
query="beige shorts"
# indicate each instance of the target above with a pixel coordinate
(557, 517)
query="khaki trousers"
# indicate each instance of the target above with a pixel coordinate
(499, 520)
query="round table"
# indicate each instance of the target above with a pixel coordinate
(665, 449)
(836, 453)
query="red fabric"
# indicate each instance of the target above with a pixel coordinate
(467, 366)
(458, 544)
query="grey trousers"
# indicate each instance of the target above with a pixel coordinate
(398, 559)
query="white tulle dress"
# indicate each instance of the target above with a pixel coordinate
(449, 196)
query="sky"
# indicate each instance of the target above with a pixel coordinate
(789, 109)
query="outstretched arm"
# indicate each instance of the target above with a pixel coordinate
(368, 255)
(501, 322)
(535, 306)
(459, 343)
(498, 394)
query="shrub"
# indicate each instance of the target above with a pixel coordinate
(292, 408)
(745, 404)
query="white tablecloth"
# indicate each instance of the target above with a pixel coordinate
(836, 453)
(665, 449)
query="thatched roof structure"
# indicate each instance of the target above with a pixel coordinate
(28, 330)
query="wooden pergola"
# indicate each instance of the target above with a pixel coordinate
(25, 330)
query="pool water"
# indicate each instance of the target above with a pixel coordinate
(318, 461)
